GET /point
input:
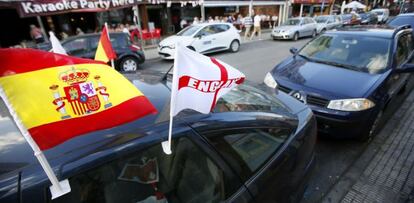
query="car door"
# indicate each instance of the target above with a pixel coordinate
(204, 39)
(142, 172)
(303, 31)
(259, 151)
(78, 47)
(403, 48)
(223, 37)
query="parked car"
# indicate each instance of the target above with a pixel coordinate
(368, 18)
(294, 28)
(256, 146)
(382, 13)
(327, 22)
(351, 19)
(129, 56)
(402, 19)
(203, 38)
(348, 77)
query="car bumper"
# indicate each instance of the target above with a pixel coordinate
(340, 124)
(281, 35)
(166, 53)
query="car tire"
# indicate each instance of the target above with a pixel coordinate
(314, 34)
(323, 30)
(374, 128)
(129, 64)
(295, 36)
(234, 46)
(191, 48)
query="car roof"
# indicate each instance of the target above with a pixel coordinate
(381, 31)
(406, 15)
(213, 23)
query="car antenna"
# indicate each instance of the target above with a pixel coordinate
(166, 74)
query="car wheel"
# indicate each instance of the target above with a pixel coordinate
(234, 46)
(295, 36)
(129, 64)
(314, 34)
(323, 30)
(374, 129)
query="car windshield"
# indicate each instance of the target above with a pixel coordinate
(403, 20)
(350, 51)
(188, 31)
(322, 19)
(292, 22)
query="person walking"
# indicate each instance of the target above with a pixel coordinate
(36, 34)
(256, 26)
(247, 23)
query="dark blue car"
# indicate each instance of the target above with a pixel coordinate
(348, 77)
(254, 147)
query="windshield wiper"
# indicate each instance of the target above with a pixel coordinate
(306, 58)
(356, 68)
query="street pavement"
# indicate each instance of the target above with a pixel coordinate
(345, 170)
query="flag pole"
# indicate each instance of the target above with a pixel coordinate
(58, 188)
(107, 32)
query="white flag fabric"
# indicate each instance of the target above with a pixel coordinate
(56, 46)
(198, 81)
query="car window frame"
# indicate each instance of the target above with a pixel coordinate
(402, 33)
(87, 49)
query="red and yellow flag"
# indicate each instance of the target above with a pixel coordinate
(59, 97)
(104, 52)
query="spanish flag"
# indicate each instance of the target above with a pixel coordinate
(58, 97)
(104, 52)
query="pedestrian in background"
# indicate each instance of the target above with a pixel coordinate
(257, 27)
(196, 21)
(36, 34)
(247, 23)
(79, 31)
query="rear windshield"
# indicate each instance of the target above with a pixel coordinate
(246, 98)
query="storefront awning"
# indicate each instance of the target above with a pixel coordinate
(30, 8)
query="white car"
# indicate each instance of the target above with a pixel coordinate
(202, 38)
(382, 13)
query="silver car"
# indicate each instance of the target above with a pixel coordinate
(327, 22)
(294, 28)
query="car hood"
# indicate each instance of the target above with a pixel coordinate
(325, 80)
(186, 40)
(287, 27)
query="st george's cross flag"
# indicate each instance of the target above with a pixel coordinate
(58, 97)
(199, 81)
(104, 51)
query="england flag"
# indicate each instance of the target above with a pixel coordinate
(199, 81)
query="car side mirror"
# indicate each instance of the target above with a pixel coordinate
(293, 50)
(406, 68)
(199, 36)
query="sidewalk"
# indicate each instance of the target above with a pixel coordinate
(151, 51)
(385, 170)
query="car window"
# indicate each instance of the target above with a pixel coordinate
(187, 175)
(117, 41)
(404, 48)
(359, 53)
(221, 28)
(247, 150)
(208, 30)
(76, 46)
(245, 98)
(189, 30)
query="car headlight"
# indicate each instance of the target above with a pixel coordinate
(270, 81)
(351, 104)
